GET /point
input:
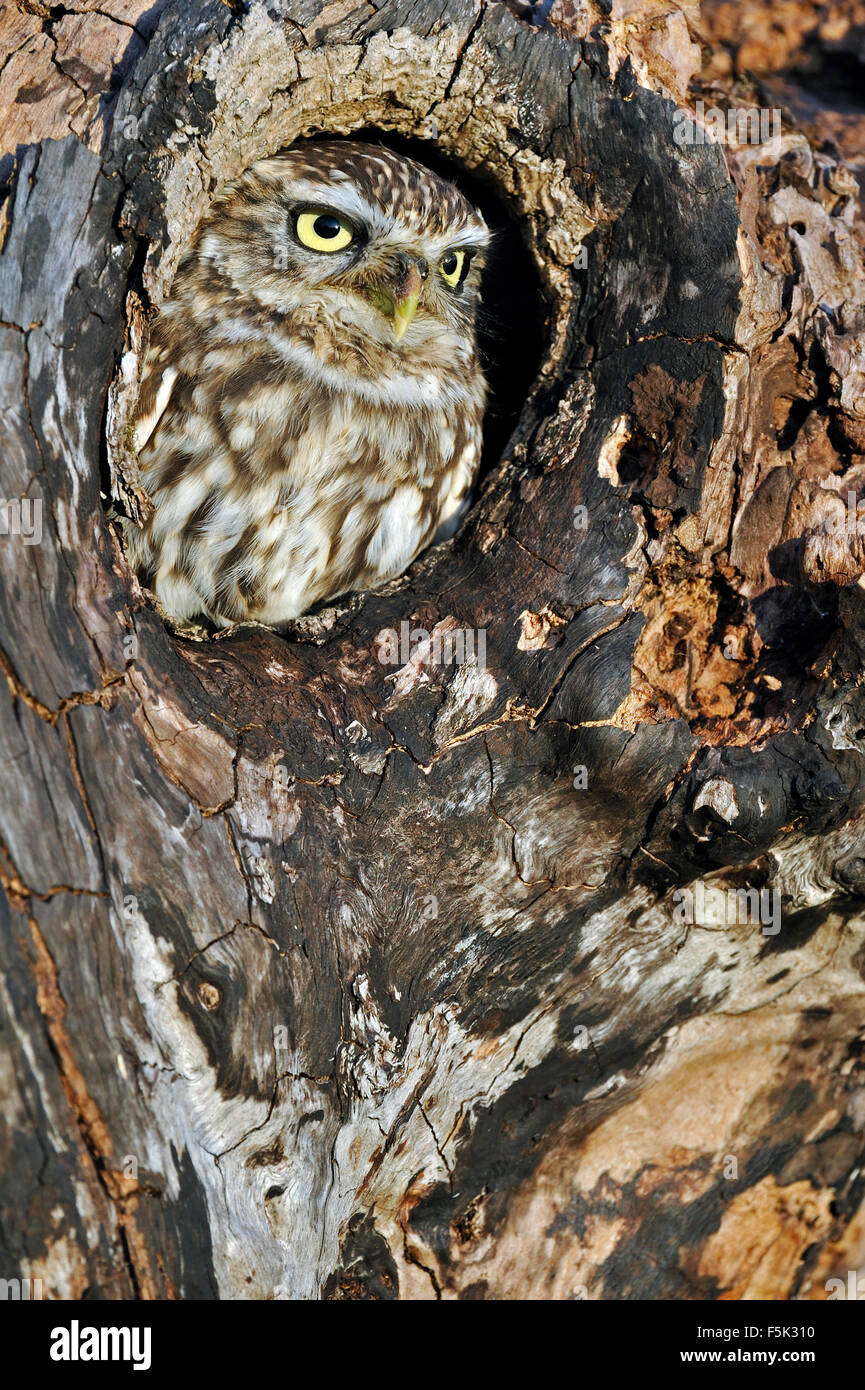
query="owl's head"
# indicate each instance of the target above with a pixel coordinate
(375, 243)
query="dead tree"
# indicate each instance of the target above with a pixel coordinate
(327, 976)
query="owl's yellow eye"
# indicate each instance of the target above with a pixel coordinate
(452, 266)
(323, 231)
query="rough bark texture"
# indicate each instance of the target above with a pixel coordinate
(322, 978)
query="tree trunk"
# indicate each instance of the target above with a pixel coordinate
(338, 969)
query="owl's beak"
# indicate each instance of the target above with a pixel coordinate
(400, 302)
(406, 301)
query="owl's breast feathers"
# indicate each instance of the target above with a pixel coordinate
(291, 459)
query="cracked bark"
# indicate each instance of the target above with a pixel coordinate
(325, 979)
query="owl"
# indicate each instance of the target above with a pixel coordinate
(312, 398)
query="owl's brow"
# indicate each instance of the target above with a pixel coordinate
(341, 195)
(342, 198)
(471, 238)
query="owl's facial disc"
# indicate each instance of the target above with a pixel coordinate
(384, 249)
(395, 289)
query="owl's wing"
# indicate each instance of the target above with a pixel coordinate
(459, 496)
(156, 387)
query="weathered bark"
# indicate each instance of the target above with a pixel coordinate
(326, 978)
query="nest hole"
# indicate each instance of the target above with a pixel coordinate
(512, 327)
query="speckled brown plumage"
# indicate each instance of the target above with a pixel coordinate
(310, 418)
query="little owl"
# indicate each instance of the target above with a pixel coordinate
(312, 400)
